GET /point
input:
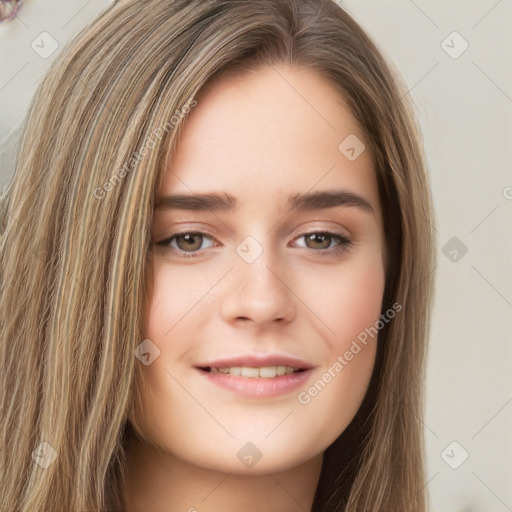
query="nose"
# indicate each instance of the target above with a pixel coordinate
(258, 294)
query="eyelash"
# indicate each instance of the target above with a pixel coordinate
(344, 243)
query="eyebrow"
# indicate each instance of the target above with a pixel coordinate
(297, 202)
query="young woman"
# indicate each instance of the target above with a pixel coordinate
(217, 269)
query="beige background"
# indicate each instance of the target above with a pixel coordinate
(464, 104)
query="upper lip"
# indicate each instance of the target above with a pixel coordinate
(258, 361)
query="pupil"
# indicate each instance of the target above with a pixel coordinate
(318, 238)
(190, 240)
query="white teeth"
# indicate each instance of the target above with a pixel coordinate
(250, 372)
(281, 370)
(265, 372)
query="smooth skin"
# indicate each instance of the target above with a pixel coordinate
(260, 136)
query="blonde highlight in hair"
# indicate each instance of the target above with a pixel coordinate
(73, 266)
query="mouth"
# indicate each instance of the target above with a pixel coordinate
(262, 372)
(257, 376)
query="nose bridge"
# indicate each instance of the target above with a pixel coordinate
(262, 276)
(258, 289)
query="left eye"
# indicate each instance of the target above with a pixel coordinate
(192, 247)
(321, 236)
(189, 244)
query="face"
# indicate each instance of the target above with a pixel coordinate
(255, 300)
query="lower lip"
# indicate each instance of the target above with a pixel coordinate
(257, 387)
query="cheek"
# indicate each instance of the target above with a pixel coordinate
(173, 298)
(347, 298)
(358, 299)
(351, 308)
(169, 323)
(168, 313)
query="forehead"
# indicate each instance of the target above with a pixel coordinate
(269, 133)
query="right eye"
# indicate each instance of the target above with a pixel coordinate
(190, 247)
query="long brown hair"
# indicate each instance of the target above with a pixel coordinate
(76, 222)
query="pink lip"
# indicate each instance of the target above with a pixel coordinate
(258, 387)
(258, 361)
